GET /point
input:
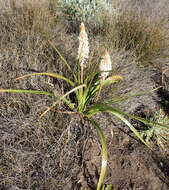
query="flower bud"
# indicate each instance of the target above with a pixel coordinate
(83, 51)
(105, 65)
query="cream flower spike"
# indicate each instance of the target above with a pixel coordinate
(105, 65)
(82, 27)
(83, 51)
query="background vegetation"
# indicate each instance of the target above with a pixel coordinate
(53, 152)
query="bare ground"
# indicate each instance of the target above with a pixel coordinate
(62, 152)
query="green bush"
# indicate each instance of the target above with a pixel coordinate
(82, 10)
(160, 135)
(73, 12)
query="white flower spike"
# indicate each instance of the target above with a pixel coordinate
(105, 65)
(83, 51)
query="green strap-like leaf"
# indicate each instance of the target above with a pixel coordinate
(103, 83)
(104, 153)
(63, 97)
(112, 79)
(26, 91)
(125, 97)
(148, 122)
(47, 74)
(105, 108)
(109, 187)
(60, 55)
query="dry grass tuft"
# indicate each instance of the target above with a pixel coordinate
(148, 39)
(140, 29)
(23, 33)
(31, 154)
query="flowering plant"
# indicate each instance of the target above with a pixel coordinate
(86, 85)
